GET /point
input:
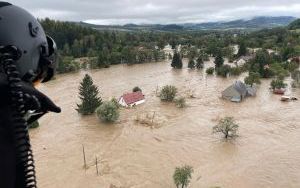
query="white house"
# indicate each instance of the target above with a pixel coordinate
(132, 99)
(242, 60)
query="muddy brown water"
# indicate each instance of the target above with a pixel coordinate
(266, 153)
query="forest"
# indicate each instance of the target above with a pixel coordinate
(105, 48)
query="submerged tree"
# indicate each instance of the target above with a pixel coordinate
(88, 93)
(200, 63)
(253, 78)
(242, 49)
(173, 44)
(180, 102)
(261, 63)
(219, 61)
(223, 71)
(116, 102)
(136, 89)
(108, 112)
(168, 93)
(278, 84)
(192, 53)
(67, 64)
(226, 126)
(229, 53)
(177, 61)
(182, 176)
(210, 70)
(103, 59)
(161, 43)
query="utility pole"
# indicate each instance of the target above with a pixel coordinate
(97, 165)
(84, 160)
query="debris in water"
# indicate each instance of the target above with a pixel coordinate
(152, 120)
(288, 98)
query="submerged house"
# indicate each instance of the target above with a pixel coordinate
(294, 59)
(238, 91)
(243, 60)
(132, 99)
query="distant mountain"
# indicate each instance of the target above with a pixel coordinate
(254, 23)
(295, 25)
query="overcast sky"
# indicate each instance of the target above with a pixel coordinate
(157, 11)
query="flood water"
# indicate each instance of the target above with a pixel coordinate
(266, 153)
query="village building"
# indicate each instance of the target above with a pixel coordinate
(242, 60)
(132, 99)
(254, 50)
(235, 49)
(238, 91)
(168, 50)
(294, 59)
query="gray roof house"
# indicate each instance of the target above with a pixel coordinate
(238, 91)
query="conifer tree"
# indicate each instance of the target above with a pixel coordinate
(199, 64)
(242, 49)
(177, 61)
(88, 93)
(219, 61)
(173, 44)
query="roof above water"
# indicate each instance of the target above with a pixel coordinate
(251, 91)
(131, 98)
(240, 87)
(236, 99)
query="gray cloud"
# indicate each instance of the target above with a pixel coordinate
(157, 11)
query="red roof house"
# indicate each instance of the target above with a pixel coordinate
(280, 91)
(132, 99)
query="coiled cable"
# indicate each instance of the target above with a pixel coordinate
(24, 156)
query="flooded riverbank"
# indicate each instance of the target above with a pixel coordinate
(266, 153)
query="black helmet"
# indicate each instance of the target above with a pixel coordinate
(38, 52)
